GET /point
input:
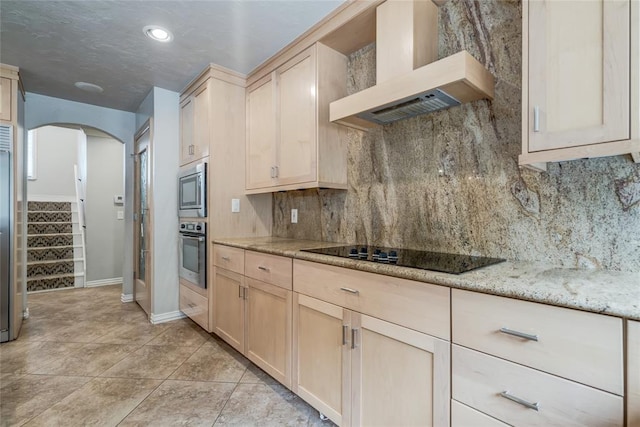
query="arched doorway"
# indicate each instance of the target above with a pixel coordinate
(43, 110)
(76, 216)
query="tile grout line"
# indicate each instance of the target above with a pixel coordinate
(229, 398)
(161, 382)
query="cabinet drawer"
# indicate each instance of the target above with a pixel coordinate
(479, 380)
(464, 416)
(416, 305)
(195, 306)
(268, 268)
(581, 346)
(229, 258)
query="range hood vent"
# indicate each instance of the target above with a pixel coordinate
(410, 79)
(414, 106)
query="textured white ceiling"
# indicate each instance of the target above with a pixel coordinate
(56, 43)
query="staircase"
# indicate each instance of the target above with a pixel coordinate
(55, 252)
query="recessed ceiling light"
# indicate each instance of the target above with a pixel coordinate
(89, 87)
(158, 33)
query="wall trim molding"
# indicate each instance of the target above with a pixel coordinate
(103, 282)
(166, 317)
(126, 297)
(50, 198)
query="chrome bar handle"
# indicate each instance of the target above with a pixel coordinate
(353, 338)
(260, 267)
(507, 395)
(536, 119)
(519, 334)
(239, 291)
(345, 328)
(277, 169)
(350, 290)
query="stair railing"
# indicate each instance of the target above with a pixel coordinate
(80, 199)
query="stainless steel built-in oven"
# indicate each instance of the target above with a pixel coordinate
(193, 253)
(192, 192)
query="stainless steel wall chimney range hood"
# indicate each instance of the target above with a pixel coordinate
(410, 81)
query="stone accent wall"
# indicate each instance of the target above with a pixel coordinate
(449, 181)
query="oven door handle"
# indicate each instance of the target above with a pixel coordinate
(198, 238)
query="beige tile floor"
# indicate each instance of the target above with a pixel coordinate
(84, 358)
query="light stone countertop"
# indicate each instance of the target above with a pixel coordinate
(601, 291)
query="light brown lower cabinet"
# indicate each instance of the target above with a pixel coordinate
(228, 307)
(633, 373)
(522, 396)
(268, 332)
(195, 304)
(464, 416)
(255, 318)
(360, 370)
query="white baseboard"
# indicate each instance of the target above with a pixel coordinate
(104, 282)
(50, 198)
(126, 297)
(166, 317)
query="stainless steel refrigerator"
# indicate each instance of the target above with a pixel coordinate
(6, 230)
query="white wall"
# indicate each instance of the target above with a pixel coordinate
(165, 160)
(104, 233)
(56, 155)
(43, 110)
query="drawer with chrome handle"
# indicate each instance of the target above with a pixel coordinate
(416, 305)
(272, 269)
(580, 346)
(518, 395)
(229, 258)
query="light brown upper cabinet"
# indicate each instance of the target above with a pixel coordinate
(580, 82)
(194, 124)
(5, 99)
(290, 142)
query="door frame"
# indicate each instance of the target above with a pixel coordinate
(146, 127)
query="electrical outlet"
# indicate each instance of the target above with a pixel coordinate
(235, 205)
(294, 216)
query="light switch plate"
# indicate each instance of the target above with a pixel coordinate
(235, 205)
(294, 216)
(120, 215)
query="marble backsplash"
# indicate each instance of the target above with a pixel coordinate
(449, 181)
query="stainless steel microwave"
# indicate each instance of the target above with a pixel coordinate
(192, 192)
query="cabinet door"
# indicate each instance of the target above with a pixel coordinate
(261, 136)
(186, 130)
(297, 120)
(229, 307)
(633, 373)
(578, 73)
(399, 376)
(201, 125)
(322, 357)
(269, 329)
(5, 99)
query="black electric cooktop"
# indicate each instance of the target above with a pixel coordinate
(435, 261)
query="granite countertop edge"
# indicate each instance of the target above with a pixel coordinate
(599, 291)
